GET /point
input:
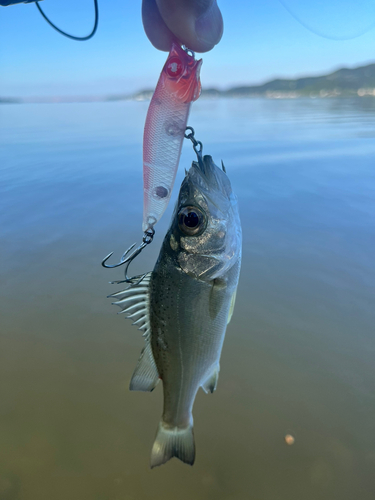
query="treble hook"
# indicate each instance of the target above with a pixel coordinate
(127, 259)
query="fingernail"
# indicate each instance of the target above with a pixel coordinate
(209, 26)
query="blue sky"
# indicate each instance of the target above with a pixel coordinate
(262, 40)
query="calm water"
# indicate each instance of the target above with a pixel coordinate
(299, 352)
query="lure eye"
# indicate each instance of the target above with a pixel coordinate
(191, 220)
(160, 192)
(174, 67)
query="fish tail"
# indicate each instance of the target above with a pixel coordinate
(173, 442)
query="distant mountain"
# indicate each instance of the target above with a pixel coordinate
(343, 82)
(9, 100)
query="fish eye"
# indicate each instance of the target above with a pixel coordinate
(191, 220)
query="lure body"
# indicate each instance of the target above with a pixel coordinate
(166, 120)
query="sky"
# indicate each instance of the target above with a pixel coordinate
(262, 40)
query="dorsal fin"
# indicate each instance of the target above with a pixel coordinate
(134, 303)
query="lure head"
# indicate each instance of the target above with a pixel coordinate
(181, 74)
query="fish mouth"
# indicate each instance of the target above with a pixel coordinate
(208, 171)
(210, 180)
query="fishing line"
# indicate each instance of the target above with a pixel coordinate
(321, 33)
(79, 38)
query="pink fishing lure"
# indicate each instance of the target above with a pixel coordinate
(166, 120)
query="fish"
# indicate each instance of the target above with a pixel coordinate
(184, 305)
(178, 86)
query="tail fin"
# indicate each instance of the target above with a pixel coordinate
(173, 442)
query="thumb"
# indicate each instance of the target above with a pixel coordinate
(198, 24)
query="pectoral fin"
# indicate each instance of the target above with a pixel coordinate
(211, 383)
(217, 297)
(231, 307)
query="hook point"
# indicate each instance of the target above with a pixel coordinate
(105, 259)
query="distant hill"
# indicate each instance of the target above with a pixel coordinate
(9, 100)
(343, 82)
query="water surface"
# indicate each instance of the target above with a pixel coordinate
(299, 353)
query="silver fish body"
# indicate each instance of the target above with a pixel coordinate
(186, 304)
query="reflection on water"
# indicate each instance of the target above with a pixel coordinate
(299, 352)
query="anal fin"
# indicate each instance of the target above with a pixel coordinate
(211, 383)
(145, 376)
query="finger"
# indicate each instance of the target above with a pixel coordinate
(198, 24)
(156, 30)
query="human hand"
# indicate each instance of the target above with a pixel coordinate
(197, 24)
